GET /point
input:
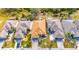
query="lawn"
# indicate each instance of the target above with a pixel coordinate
(26, 42)
(46, 43)
(69, 43)
(8, 44)
(53, 44)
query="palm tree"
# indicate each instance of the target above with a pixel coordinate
(69, 36)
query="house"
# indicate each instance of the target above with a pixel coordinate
(55, 29)
(71, 26)
(38, 27)
(6, 28)
(21, 29)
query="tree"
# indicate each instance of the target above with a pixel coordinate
(69, 35)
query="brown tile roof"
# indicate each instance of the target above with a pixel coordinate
(38, 27)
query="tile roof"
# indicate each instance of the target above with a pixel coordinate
(38, 27)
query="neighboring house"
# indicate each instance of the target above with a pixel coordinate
(71, 26)
(55, 29)
(21, 29)
(77, 28)
(38, 27)
(68, 26)
(6, 28)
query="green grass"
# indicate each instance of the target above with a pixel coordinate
(69, 44)
(27, 43)
(8, 44)
(46, 43)
(53, 44)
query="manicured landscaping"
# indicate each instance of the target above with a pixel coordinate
(26, 42)
(53, 44)
(46, 43)
(69, 43)
(8, 44)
